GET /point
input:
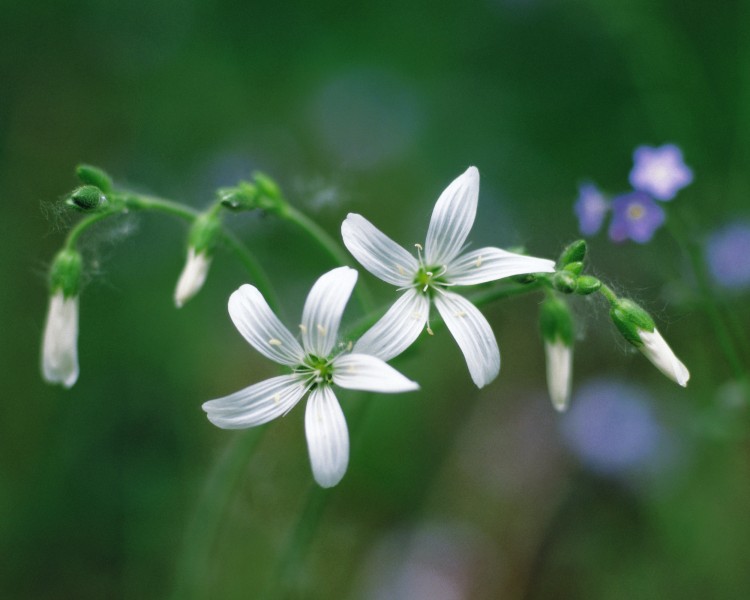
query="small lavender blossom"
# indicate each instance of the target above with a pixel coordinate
(726, 253)
(660, 172)
(590, 208)
(635, 216)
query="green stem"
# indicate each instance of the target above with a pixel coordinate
(608, 294)
(329, 245)
(175, 209)
(74, 234)
(200, 535)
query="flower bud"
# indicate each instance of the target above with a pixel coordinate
(637, 326)
(201, 242)
(564, 281)
(586, 285)
(94, 176)
(575, 267)
(556, 325)
(575, 252)
(241, 197)
(60, 339)
(87, 197)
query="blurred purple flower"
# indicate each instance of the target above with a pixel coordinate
(590, 208)
(635, 216)
(611, 428)
(727, 252)
(660, 172)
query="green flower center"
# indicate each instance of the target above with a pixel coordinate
(428, 278)
(321, 369)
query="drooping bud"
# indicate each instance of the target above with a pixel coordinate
(241, 197)
(90, 175)
(60, 339)
(201, 243)
(87, 198)
(637, 326)
(556, 324)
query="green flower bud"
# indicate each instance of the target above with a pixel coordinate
(630, 319)
(575, 267)
(564, 281)
(94, 176)
(556, 322)
(586, 285)
(575, 252)
(87, 197)
(244, 196)
(65, 273)
(267, 186)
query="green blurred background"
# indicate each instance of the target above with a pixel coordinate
(120, 488)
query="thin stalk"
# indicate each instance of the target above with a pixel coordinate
(329, 245)
(75, 233)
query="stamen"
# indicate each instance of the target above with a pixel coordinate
(479, 261)
(349, 346)
(321, 330)
(418, 247)
(416, 315)
(459, 313)
(276, 398)
(274, 342)
(401, 270)
(430, 331)
(302, 328)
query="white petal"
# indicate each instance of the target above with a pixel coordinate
(559, 372)
(365, 372)
(489, 264)
(192, 278)
(656, 349)
(257, 404)
(473, 334)
(452, 219)
(255, 320)
(398, 328)
(378, 253)
(324, 307)
(60, 341)
(327, 437)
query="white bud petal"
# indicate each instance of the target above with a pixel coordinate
(59, 344)
(192, 277)
(660, 354)
(559, 372)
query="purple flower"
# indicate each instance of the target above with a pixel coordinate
(727, 252)
(590, 208)
(635, 216)
(612, 429)
(660, 172)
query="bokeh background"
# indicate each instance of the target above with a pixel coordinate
(120, 488)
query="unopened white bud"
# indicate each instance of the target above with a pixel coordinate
(660, 354)
(192, 277)
(60, 341)
(559, 372)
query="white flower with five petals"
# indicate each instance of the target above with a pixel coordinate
(428, 277)
(317, 364)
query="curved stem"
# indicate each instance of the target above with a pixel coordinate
(329, 245)
(175, 209)
(75, 233)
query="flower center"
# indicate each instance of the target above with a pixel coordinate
(636, 211)
(316, 369)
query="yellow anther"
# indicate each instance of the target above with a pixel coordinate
(401, 270)
(479, 261)
(276, 398)
(274, 342)
(321, 330)
(416, 315)
(460, 313)
(349, 346)
(418, 247)
(302, 328)
(430, 331)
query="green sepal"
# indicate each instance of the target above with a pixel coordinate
(91, 175)
(586, 284)
(270, 197)
(575, 267)
(241, 197)
(556, 321)
(524, 278)
(564, 281)
(87, 198)
(204, 233)
(630, 319)
(575, 252)
(65, 272)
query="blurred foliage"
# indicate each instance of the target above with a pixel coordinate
(367, 107)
